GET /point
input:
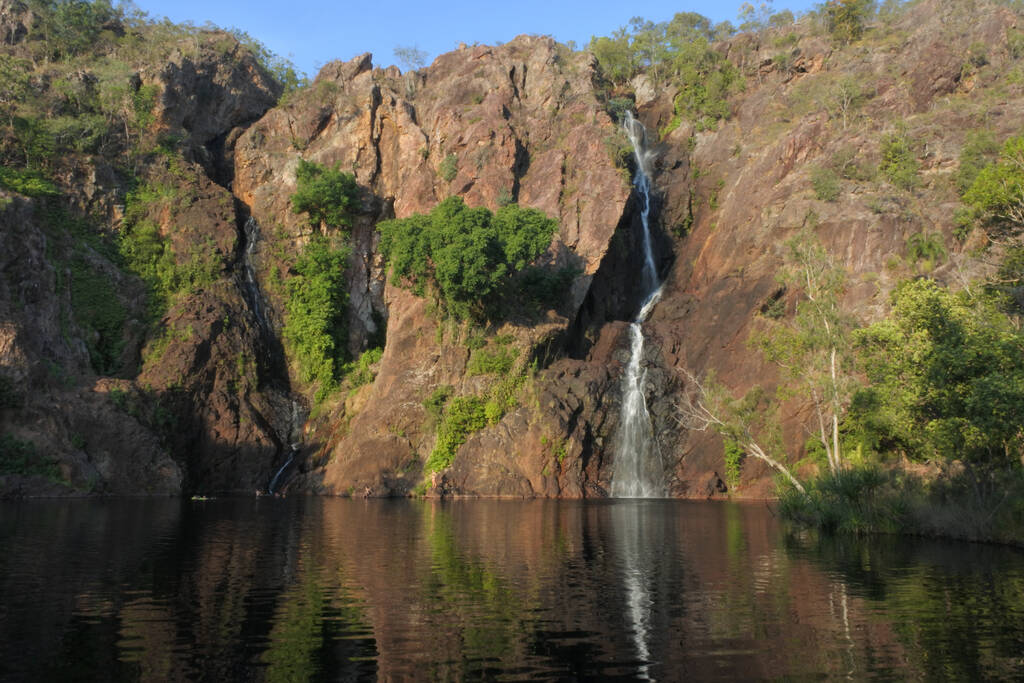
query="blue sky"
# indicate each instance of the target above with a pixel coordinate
(314, 32)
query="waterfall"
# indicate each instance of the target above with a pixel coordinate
(638, 466)
(293, 428)
(252, 287)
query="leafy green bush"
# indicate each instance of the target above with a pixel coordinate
(825, 183)
(899, 161)
(925, 246)
(463, 416)
(998, 189)
(436, 402)
(496, 362)
(946, 378)
(26, 182)
(359, 372)
(733, 463)
(314, 327)
(858, 500)
(847, 19)
(469, 257)
(326, 195)
(677, 52)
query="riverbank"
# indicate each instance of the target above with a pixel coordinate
(957, 502)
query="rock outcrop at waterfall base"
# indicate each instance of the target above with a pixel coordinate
(206, 399)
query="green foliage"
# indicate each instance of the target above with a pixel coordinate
(314, 327)
(99, 311)
(449, 167)
(847, 19)
(463, 416)
(733, 463)
(927, 247)
(970, 503)
(676, 53)
(21, 457)
(487, 362)
(326, 195)
(857, 500)
(946, 378)
(825, 183)
(436, 402)
(980, 149)
(998, 189)
(26, 182)
(469, 257)
(360, 371)
(146, 252)
(70, 27)
(899, 161)
(813, 347)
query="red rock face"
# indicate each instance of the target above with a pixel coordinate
(521, 123)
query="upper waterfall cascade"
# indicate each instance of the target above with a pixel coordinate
(638, 470)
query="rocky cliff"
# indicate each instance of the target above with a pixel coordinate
(210, 399)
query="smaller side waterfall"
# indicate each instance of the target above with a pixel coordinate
(251, 286)
(638, 466)
(294, 427)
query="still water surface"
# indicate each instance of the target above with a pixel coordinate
(328, 589)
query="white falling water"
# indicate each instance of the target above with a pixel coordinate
(252, 236)
(638, 466)
(294, 428)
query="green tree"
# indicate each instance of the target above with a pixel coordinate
(946, 378)
(468, 256)
(899, 160)
(847, 19)
(997, 191)
(327, 195)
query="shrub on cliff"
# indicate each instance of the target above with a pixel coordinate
(314, 327)
(327, 195)
(463, 416)
(847, 19)
(997, 190)
(469, 257)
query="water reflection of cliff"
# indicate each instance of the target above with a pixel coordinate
(309, 589)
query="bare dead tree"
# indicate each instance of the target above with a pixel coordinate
(708, 405)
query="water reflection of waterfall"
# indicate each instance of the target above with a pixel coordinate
(637, 544)
(638, 467)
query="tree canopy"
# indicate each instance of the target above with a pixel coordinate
(326, 194)
(946, 378)
(468, 256)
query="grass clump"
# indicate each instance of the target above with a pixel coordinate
(488, 362)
